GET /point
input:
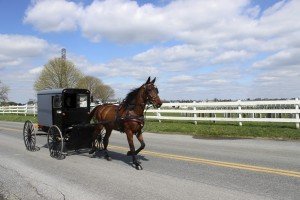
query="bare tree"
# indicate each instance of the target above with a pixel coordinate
(91, 83)
(97, 88)
(58, 73)
(105, 92)
(3, 92)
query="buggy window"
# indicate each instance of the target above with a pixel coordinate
(70, 100)
(56, 101)
(82, 100)
(75, 100)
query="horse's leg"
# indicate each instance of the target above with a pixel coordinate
(140, 138)
(105, 142)
(97, 130)
(132, 150)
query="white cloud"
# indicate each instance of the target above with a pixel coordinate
(172, 54)
(281, 20)
(19, 56)
(209, 25)
(123, 21)
(275, 8)
(230, 56)
(114, 68)
(181, 78)
(53, 15)
(17, 49)
(253, 12)
(205, 23)
(277, 83)
(281, 59)
(36, 70)
(20, 45)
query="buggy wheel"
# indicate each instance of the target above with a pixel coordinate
(55, 142)
(29, 136)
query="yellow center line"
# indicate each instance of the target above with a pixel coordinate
(206, 161)
(216, 163)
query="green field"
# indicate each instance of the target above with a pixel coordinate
(18, 118)
(282, 131)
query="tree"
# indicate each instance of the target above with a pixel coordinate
(91, 83)
(97, 88)
(3, 92)
(105, 92)
(58, 73)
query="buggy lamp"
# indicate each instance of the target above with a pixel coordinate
(62, 113)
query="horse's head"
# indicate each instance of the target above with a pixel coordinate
(151, 93)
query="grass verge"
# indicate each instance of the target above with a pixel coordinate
(282, 131)
(18, 118)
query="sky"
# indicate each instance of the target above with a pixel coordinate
(198, 50)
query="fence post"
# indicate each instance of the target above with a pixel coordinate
(158, 115)
(26, 109)
(240, 114)
(34, 109)
(195, 114)
(297, 112)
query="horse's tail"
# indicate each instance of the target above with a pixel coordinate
(92, 113)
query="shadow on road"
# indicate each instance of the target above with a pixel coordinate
(114, 155)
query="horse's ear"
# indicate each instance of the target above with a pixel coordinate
(153, 81)
(148, 80)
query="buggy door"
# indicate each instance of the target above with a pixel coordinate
(57, 111)
(76, 107)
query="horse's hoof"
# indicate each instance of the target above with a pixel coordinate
(138, 167)
(108, 158)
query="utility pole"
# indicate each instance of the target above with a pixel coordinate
(63, 54)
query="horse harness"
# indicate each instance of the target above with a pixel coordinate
(128, 117)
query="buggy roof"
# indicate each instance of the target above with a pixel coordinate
(51, 91)
(61, 90)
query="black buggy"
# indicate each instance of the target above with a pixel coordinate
(63, 116)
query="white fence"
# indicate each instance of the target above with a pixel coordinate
(238, 111)
(22, 110)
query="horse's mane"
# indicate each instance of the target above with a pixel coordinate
(130, 97)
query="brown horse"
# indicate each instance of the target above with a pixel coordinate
(128, 117)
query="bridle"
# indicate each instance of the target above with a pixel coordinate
(150, 98)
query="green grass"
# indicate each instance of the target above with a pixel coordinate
(18, 118)
(285, 131)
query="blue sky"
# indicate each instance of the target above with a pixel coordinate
(197, 49)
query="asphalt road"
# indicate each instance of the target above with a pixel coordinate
(175, 167)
